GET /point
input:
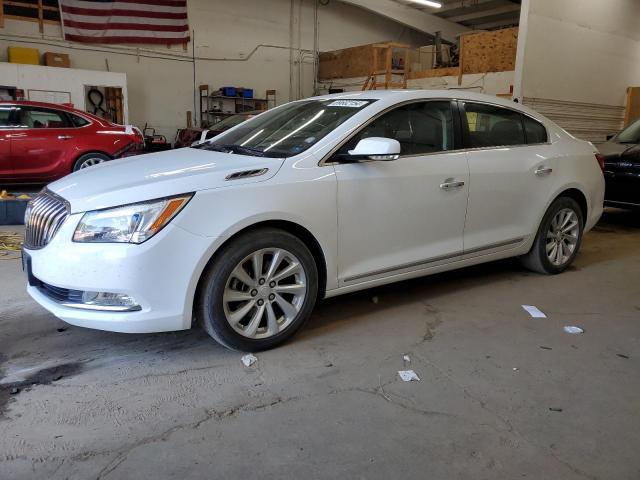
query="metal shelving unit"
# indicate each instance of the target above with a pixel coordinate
(214, 108)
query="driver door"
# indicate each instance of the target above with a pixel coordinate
(405, 215)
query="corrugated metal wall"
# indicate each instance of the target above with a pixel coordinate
(587, 121)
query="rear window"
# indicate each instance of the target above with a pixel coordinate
(5, 112)
(36, 117)
(491, 126)
(78, 121)
(536, 132)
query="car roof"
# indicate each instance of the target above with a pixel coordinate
(399, 95)
(30, 103)
(390, 97)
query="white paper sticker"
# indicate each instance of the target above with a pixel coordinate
(534, 311)
(408, 376)
(249, 360)
(572, 329)
(348, 103)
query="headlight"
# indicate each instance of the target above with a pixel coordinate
(133, 223)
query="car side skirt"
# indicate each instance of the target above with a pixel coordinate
(454, 261)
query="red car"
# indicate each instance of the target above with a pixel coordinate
(41, 142)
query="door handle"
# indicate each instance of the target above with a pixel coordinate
(65, 137)
(448, 184)
(543, 171)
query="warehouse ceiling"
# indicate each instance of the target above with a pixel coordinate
(474, 14)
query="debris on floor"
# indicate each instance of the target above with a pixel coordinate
(572, 329)
(10, 243)
(249, 359)
(535, 312)
(375, 300)
(555, 409)
(622, 355)
(408, 376)
(406, 358)
(515, 369)
(545, 348)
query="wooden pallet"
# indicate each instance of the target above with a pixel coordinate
(383, 53)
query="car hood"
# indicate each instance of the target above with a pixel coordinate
(155, 175)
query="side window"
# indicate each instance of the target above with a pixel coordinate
(31, 117)
(491, 126)
(536, 132)
(77, 120)
(423, 127)
(5, 113)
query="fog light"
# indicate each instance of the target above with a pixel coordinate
(109, 301)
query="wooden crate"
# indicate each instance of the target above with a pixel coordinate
(346, 63)
(632, 110)
(489, 51)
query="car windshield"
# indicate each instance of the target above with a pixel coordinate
(288, 130)
(631, 134)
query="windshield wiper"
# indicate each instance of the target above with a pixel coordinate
(237, 149)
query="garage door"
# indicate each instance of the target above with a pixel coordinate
(587, 121)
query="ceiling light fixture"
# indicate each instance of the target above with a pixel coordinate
(427, 3)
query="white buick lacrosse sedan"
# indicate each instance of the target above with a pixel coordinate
(312, 199)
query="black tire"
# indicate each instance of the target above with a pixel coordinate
(87, 157)
(537, 259)
(209, 307)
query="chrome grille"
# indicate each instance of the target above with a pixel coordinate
(44, 216)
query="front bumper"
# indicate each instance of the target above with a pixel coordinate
(160, 274)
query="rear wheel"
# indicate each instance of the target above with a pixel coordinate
(558, 239)
(259, 290)
(89, 160)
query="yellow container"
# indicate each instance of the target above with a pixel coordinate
(30, 56)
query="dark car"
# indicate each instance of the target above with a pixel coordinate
(621, 155)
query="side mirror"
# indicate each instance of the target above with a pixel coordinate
(375, 148)
(610, 136)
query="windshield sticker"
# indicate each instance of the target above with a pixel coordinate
(348, 103)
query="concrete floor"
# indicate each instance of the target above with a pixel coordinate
(501, 395)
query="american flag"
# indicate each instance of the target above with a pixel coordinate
(125, 21)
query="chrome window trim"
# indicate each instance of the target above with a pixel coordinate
(325, 160)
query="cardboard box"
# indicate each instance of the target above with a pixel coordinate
(56, 60)
(29, 56)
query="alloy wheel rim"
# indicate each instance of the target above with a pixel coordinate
(90, 162)
(562, 236)
(264, 293)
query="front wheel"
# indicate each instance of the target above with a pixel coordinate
(258, 291)
(558, 239)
